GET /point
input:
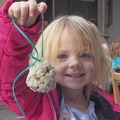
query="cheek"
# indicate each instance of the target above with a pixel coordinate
(92, 72)
(90, 68)
(60, 72)
(60, 68)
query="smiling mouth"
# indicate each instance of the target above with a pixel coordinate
(75, 75)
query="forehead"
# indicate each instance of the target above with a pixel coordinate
(71, 39)
(65, 38)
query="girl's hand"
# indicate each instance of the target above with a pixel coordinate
(27, 12)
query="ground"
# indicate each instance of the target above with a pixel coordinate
(6, 114)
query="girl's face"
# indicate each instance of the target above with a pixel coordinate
(74, 71)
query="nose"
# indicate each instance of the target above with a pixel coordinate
(75, 63)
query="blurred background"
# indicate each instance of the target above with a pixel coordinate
(104, 13)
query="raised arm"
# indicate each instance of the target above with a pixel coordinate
(15, 50)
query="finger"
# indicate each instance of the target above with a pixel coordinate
(32, 7)
(24, 9)
(10, 12)
(42, 7)
(14, 10)
(24, 12)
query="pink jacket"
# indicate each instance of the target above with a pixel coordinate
(14, 57)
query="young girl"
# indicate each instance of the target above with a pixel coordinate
(72, 45)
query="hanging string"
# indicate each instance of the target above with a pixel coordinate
(42, 36)
(31, 55)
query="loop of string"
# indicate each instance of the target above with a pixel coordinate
(31, 55)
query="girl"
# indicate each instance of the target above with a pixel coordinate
(72, 45)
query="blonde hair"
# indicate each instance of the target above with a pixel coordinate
(114, 50)
(84, 34)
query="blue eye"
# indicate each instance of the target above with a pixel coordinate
(62, 57)
(85, 55)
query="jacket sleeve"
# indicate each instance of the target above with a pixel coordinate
(14, 57)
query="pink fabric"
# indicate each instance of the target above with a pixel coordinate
(14, 56)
